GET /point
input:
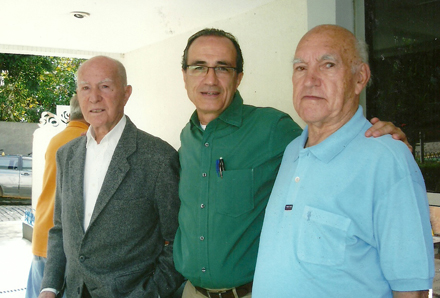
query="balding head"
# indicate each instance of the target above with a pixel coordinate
(102, 93)
(353, 50)
(329, 75)
(119, 67)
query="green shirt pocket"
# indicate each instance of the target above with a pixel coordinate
(234, 192)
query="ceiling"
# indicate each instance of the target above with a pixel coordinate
(114, 26)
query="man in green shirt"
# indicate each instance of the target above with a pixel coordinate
(230, 154)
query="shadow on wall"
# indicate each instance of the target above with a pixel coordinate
(16, 137)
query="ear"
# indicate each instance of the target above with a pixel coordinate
(239, 77)
(362, 77)
(184, 76)
(128, 91)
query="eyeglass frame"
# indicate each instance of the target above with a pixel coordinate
(191, 67)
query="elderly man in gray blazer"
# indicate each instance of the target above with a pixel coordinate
(116, 200)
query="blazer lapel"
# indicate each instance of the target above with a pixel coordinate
(76, 169)
(118, 168)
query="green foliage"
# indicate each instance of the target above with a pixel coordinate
(30, 85)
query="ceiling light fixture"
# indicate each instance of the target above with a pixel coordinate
(80, 14)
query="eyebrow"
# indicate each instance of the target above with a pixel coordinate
(328, 57)
(200, 62)
(297, 60)
(106, 80)
(323, 58)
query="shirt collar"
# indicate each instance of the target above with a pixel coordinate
(232, 115)
(112, 137)
(336, 142)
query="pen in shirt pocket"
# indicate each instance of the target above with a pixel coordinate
(220, 166)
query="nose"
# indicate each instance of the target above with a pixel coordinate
(210, 77)
(312, 78)
(95, 95)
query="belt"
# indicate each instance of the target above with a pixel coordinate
(241, 291)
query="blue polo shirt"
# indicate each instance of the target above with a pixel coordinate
(348, 217)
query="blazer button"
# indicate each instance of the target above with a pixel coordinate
(82, 258)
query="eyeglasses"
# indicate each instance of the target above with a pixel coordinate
(200, 71)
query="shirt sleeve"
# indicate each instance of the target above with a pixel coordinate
(49, 290)
(167, 201)
(56, 259)
(404, 239)
(284, 132)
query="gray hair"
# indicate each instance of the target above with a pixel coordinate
(362, 50)
(75, 109)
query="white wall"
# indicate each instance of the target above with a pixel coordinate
(268, 36)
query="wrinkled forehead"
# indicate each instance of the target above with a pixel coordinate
(334, 43)
(103, 81)
(97, 71)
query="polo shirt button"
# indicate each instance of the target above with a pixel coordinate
(297, 179)
(202, 206)
(202, 238)
(204, 175)
(203, 269)
(206, 144)
(82, 259)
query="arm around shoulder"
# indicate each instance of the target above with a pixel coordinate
(381, 128)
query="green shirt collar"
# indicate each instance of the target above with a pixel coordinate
(232, 115)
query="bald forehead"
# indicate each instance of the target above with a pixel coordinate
(113, 67)
(334, 37)
(332, 30)
(97, 62)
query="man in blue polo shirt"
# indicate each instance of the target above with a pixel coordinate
(348, 215)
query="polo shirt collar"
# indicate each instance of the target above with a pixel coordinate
(339, 140)
(232, 115)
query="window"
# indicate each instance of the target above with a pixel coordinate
(404, 40)
(27, 164)
(4, 163)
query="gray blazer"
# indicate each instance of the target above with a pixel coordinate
(127, 249)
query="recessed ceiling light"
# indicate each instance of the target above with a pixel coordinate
(80, 14)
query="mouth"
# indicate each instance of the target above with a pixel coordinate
(312, 97)
(210, 93)
(97, 111)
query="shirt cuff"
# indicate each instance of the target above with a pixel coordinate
(49, 290)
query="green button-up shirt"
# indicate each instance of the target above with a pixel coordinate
(221, 216)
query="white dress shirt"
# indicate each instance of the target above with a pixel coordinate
(98, 158)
